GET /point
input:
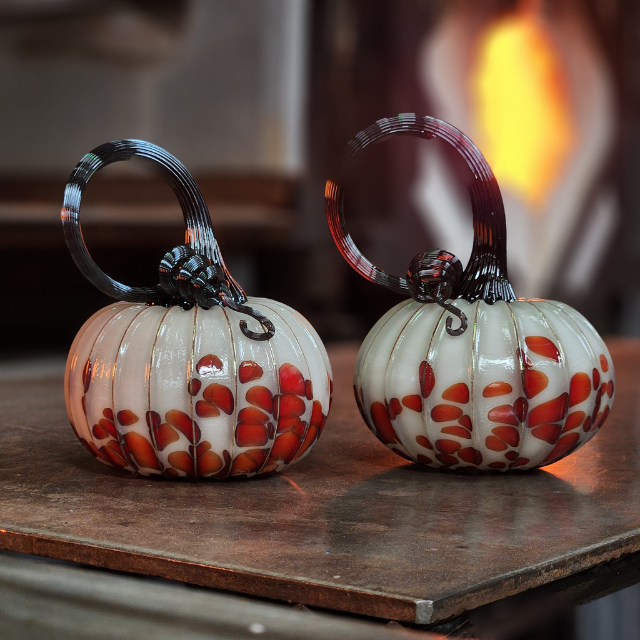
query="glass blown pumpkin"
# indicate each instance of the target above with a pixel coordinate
(189, 378)
(463, 375)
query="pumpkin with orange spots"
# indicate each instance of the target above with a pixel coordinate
(464, 375)
(189, 377)
(140, 400)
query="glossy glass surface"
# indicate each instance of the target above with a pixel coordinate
(527, 384)
(185, 393)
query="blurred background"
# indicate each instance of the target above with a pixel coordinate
(259, 98)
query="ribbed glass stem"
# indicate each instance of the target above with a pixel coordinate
(199, 234)
(485, 276)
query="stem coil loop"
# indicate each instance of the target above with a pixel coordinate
(485, 276)
(193, 273)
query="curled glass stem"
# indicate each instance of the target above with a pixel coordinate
(250, 311)
(485, 276)
(199, 233)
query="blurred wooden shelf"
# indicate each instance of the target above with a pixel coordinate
(117, 209)
(227, 215)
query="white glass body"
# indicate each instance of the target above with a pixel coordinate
(160, 390)
(526, 384)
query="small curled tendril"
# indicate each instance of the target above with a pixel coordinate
(432, 277)
(263, 320)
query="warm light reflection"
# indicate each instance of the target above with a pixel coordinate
(521, 105)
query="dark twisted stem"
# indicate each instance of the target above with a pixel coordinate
(199, 234)
(195, 279)
(432, 277)
(485, 276)
(263, 320)
(443, 293)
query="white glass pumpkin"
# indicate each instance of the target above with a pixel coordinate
(520, 384)
(182, 379)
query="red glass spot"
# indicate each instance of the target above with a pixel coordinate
(317, 417)
(208, 364)
(288, 424)
(205, 409)
(413, 402)
(574, 420)
(427, 379)
(604, 363)
(495, 444)
(509, 435)
(204, 445)
(497, 389)
(446, 459)
(520, 408)
(251, 434)
(260, 397)
(522, 357)
(181, 421)
(395, 408)
(447, 446)
(99, 433)
(309, 440)
(221, 396)
(115, 457)
(445, 413)
(288, 405)
(209, 462)
(141, 450)
(461, 432)
(291, 380)
(550, 411)
(504, 414)
(108, 426)
(458, 392)
(252, 414)
(153, 419)
(248, 371)
(182, 461)
(496, 465)
(127, 418)
(384, 429)
(193, 386)
(470, 455)
(580, 388)
(465, 421)
(285, 447)
(164, 435)
(424, 442)
(534, 382)
(543, 347)
(547, 432)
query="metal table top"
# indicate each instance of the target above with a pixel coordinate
(352, 527)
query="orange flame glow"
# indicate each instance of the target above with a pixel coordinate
(522, 108)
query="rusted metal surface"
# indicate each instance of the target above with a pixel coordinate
(351, 528)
